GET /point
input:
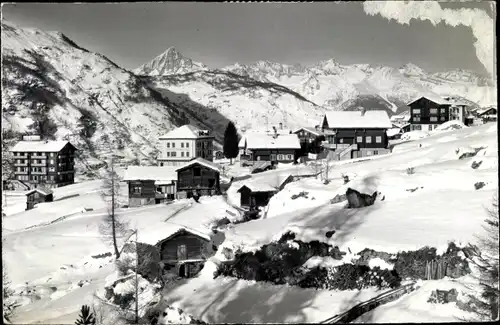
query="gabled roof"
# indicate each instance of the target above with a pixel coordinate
(267, 141)
(265, 182)
(432, 97)
(482, 111)
(310, 130)
(158, 174)
(187, 131)
(356, 120)
(40, 146)
(41, 190)
(167, 230)
(202, 162)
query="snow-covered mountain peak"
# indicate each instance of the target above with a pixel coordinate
(411, 69)
(170, 62)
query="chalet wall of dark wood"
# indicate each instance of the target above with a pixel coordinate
(141, 192)
(279, 155)
(184, 246)
(260, 199)
(198, 177)
(364, 138)
(425, 111)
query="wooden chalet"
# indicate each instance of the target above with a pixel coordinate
(274, 147)
(43, 163)
(150, 184)
(310, 140)
(198, 177)
(185, 251)
(38, 195)
(257, 191)
(487, 114)
(428, 112)
(355, 134)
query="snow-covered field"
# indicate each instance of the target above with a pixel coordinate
(436, 203)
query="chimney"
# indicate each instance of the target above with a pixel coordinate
(363, 111)
(281, 126)
(275, 132)
(316, 127)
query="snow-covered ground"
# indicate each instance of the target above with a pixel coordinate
(435, 203)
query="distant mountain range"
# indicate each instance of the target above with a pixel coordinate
(337, 86)
(52, 86)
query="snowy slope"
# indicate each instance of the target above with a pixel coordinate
(78, 95)
(169, 62)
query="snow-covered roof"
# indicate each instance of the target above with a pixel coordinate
(481, 111)
(158, 174)
(265, 182)
(202, 162)
(393, 132)
(39, 146)
(432, 97)
(356, 119)
(267, 141)
(42, 190)
(184, 132)
(166, 230)
(310, 130)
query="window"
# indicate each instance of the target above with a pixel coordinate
(433, 119)
(137, 190)
(168, 153)
(51, 177)
(187, 153)
(168, 144)
(369, 139)
(416, 111)
(187, 144)
(359, 139)
(159, 189)
(416, 119)
(289, 157)
(173, 144)
(378, 139)
(341, 140)
(52, 169)
(52, 154)
(280, 157)
(182, 153)
(197, 171)
(173, 154)
(442, 118)
(434, 111)
(375, 152)
(368, 152)
(182, 144)
(51, 161)
(430, 127)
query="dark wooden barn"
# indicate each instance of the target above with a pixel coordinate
(258, 191)
(185, 251)
(150, 184)
(38, 195)
(198, 177)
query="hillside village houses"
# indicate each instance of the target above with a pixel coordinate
(184, 143)
(43, 163)
(355, 134)
(428, 112)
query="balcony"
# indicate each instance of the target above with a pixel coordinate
(20, 164)
(39, 173)
(21, 155)
(37, 164)
(21, 172)
(39, 155)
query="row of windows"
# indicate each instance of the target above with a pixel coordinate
(42, 178)
(183, 144)
(418, 127)
(368, 139)
(432, 119)
(431, 111)
(174, 154)
(51, 154)
(34, 161)
(35, 169)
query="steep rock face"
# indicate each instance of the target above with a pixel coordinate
(169, 62)
(55, 88)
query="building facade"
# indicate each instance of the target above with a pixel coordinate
(356, 134)
(43, 163)
(150, 184)
(183, 144)
(427, 113)
(271, 147)
(198, 177)
(310, 140)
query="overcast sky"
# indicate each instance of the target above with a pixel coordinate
(220, 34)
